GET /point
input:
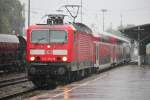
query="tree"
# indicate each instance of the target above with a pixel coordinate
(11, 17)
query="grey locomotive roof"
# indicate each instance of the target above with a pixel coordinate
(82, 27)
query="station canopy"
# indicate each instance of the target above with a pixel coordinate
(140, 33)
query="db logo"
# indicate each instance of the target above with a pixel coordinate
(49, 52)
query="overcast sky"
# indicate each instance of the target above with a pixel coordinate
(133, 11)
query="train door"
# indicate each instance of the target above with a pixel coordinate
(97, 54)
(115, 53)
(124, 53)
(122, 56)
(112, 54)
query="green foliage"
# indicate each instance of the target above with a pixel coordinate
(11, 17)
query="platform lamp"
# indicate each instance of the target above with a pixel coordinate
(28, 13)
(103, 11)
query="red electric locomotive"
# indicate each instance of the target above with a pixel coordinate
(59, 52)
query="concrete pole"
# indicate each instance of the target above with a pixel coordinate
(28, 13)
(81, 11)
(139, 56)
(103, 11)
(139, 46)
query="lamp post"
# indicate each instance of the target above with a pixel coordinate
(81, 10)
(103, 11)
(28, 13)
(139, 46)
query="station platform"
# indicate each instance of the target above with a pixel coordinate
(129, 82)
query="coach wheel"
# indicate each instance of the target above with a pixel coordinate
(66, 78)
(82, 74)
(69, 77)
(78, 75)
(89, 72)
(74, 76)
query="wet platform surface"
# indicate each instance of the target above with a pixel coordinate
(124, 83)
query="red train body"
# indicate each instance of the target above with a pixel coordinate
(8, 49)
(71, 51)
(12, 49)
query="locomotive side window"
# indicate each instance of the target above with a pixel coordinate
(48, 36)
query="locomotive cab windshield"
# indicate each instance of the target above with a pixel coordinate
(48, 36)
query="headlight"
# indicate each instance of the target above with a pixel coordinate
(32, 58)
(64, 58)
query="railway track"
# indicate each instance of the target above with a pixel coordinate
(13, 81)
(6, 97)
